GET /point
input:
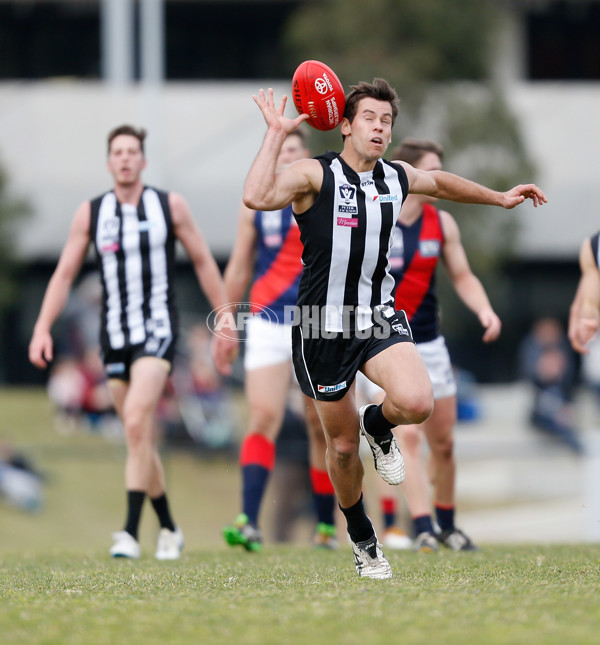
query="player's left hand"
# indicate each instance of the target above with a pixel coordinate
(520, 193)
(491, 323)
(582, 333)
(224, 352)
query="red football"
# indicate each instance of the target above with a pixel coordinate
(317, 91)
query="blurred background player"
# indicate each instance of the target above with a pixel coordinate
(584, 317)
(423, 236)
(268, 243)
(134, 228)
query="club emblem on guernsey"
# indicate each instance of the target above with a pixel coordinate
(347, 206)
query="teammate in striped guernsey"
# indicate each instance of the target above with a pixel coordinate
(346, 206)
(423, 236)
(584, 315)
(269, 241)
(134, 228)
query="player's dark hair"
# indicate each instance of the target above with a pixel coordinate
(138, 133)
(300, 133)
(379, 90)
(412, 150)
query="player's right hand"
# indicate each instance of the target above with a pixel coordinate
(41, 349)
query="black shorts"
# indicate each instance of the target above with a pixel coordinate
(326, 366)
(118, 362)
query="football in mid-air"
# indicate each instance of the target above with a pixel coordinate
(317, 91)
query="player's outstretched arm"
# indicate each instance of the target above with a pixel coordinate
(41, 350)
(445, 185)
(265, 188)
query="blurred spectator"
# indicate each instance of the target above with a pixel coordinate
(196, 405)
(548, 363)
(79, 391)
(20, 482)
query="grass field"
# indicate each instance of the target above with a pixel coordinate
(58, 585)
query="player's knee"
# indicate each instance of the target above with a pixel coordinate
(343, 451)
(411, 438)
(443, 448)
(264, 421)
(413, 408)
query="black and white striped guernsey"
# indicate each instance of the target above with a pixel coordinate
(135, 248)
(595, 242)
(347, 236)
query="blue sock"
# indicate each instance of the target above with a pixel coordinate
(445, 517)
(254, 480)
(423, 524)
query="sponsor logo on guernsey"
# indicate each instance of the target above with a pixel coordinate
(115, 368)
(331, 389)
(352, 222)
(367, 182)
(429, 248)
(384, 199)
(144, 225)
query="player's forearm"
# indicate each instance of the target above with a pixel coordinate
(53, 303)
(259, 189)
(470, 290)
(459, 189)
(212, 283)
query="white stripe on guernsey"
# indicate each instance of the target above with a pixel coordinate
(395, 187)
(133, 274)
(157, 237)
(107, 213)
(371, 255)
(340, 254)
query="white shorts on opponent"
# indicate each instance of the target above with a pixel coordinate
(267, 343)
(437, 360)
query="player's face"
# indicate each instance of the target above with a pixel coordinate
(371, 129)
(125, 160)
(291, 150)
(429, 161)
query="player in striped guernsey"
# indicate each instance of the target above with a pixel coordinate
(425, 235)
(584, 315)
(133, 228)
(346, 206)
(269, 242)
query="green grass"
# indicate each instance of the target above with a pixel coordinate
(59, 586)
(295, 595)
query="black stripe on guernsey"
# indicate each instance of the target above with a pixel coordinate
(95, 208)
(145, 257)
(121, 280)
(596, 248)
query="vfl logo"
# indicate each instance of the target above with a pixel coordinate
(111, 227)
(347, 192)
